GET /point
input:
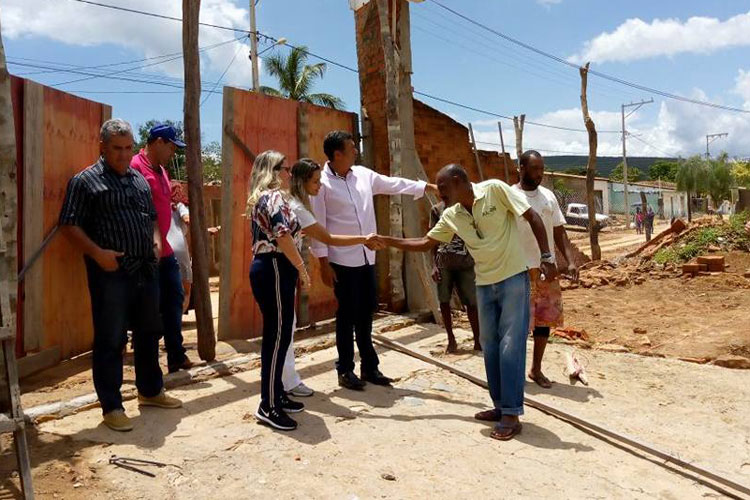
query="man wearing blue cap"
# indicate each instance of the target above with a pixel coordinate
(160, 147)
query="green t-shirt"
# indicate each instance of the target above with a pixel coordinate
(489, 231)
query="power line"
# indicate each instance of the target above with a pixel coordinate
(498, 115)
(637, 138)
(591, 72)
(236, 52)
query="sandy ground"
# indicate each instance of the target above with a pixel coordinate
(414, 440)
(702, 317)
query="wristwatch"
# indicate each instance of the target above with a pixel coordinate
(547, 257)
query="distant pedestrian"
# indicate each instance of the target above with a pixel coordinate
(638, 220)
(648, 223)
(109, 214)
(453, 268)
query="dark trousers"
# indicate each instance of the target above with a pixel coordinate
(119, 301)
(356, 294)
(274, 281)
(171, 296)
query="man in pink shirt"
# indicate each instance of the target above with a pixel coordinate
(161, 146)
(345, 205)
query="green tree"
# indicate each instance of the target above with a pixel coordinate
(719, 179)
(691, 178)
(562, 192)
(634, 174)
(210, 155)
(665, 170)
(741, 173)
(296, 79)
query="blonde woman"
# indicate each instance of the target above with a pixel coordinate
(305, 182)
(274, 272)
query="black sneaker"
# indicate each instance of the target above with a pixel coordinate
(291, 406)
(349, 380)
(375, 377)
(276, 418)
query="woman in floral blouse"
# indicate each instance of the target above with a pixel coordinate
(276, 267)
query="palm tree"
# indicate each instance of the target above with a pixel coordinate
(691, 178)
(296, 79)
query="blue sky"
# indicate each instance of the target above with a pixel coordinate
(692, 48)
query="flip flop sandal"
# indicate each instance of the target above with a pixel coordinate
(506, 432)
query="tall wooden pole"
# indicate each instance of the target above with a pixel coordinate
(476, 152)
(254, 47)
(596, 253)
(395, 257)
(502, 148)
(518, 126)
(194, 168)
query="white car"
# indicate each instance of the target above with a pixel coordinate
(577, 214)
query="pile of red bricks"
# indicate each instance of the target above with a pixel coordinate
(705, 265)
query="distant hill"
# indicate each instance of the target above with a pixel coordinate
(604, 164)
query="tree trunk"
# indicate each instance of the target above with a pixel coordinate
(689, 207)
(395, 257)
(596, 253)
(9, 213)
(518, 126)
(198, 232)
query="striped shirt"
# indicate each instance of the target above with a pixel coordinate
(115, 211)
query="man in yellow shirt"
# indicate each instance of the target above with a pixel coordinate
(484, 216)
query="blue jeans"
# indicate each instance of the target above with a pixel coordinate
(171, 297)
(503, 327)
(119, 301)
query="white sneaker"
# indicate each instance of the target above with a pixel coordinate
(302, 391)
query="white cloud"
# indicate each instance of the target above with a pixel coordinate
(547, 3)
(742, 86)
(86, 25)
(637, 39)
(677, 129)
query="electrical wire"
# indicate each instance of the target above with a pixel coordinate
(591, 72)
(234, 57)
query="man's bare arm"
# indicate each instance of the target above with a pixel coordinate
(422, 244)
(563, 243)
(537, 227)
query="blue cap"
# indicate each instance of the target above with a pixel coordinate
(166, 132)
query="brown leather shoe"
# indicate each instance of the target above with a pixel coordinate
(118, 421)
(161, 400)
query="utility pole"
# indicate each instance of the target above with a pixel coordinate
(254, 47)
(194, 168)
(637, 106)
(711, 138)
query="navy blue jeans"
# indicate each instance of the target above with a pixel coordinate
(171, 297)
(356, 293)
(119, 301)
(503, 327)
(274, 282)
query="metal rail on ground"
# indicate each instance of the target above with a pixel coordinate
(699, 473)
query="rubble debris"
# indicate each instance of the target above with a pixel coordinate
(714, 263)
(574, 369)
(571, 333)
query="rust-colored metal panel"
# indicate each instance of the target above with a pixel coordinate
(261, 123)
(322, 303)
(71, 143)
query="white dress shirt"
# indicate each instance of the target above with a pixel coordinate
(345, 206)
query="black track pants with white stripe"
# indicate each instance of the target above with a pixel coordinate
(273, 280)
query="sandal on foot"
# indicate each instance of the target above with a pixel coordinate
(541, 380)
(506, 432)
(492, 415)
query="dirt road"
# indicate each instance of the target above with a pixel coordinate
(614, 243)
(415, 440)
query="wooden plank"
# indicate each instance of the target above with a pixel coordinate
(227, 228)
(33, 213)
(8, 424)
(36, 362)
(7, 333)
